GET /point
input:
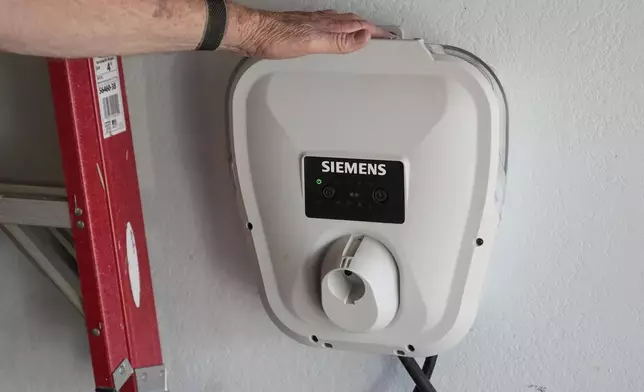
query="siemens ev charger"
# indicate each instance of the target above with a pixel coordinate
(372, 185)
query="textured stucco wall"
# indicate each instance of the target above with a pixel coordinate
(562, 307)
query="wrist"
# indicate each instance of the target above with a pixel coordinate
(241, 24)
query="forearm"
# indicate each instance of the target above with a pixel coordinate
(89, 28)
(86, 28)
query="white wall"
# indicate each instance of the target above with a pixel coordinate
(562, 304)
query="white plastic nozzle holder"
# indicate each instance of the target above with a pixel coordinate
(359, 284)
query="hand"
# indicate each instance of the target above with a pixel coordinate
(280, 35)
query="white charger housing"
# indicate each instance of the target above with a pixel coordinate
(373, 184)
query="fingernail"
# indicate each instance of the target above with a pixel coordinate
(361, 36)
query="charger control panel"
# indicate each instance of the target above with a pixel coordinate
(354, 189)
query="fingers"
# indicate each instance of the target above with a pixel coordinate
(350, 26)
(339, 43)
(349, 23)
(345, 26)
(346, 16)
(379, 32)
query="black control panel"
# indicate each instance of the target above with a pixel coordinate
(354, 189)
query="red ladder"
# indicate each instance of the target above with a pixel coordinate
(107, 221)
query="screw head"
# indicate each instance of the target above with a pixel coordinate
(80, 224)
(96, 332)
(121, 370)
(144, 376)
(78, 211)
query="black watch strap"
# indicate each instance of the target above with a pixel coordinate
(215, 25)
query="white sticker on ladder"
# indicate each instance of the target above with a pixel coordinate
(133, 264)
(110, 99)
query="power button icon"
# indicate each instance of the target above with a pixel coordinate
(380, 195)
(328, 192)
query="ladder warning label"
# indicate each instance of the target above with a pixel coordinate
(110, 100)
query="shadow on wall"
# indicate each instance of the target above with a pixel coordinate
(29, 151)
(207, 85)
(195, 106)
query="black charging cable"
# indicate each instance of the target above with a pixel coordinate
(420, 376)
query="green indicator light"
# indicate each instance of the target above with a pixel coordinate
(318, 181)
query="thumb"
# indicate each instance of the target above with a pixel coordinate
(338, 43)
